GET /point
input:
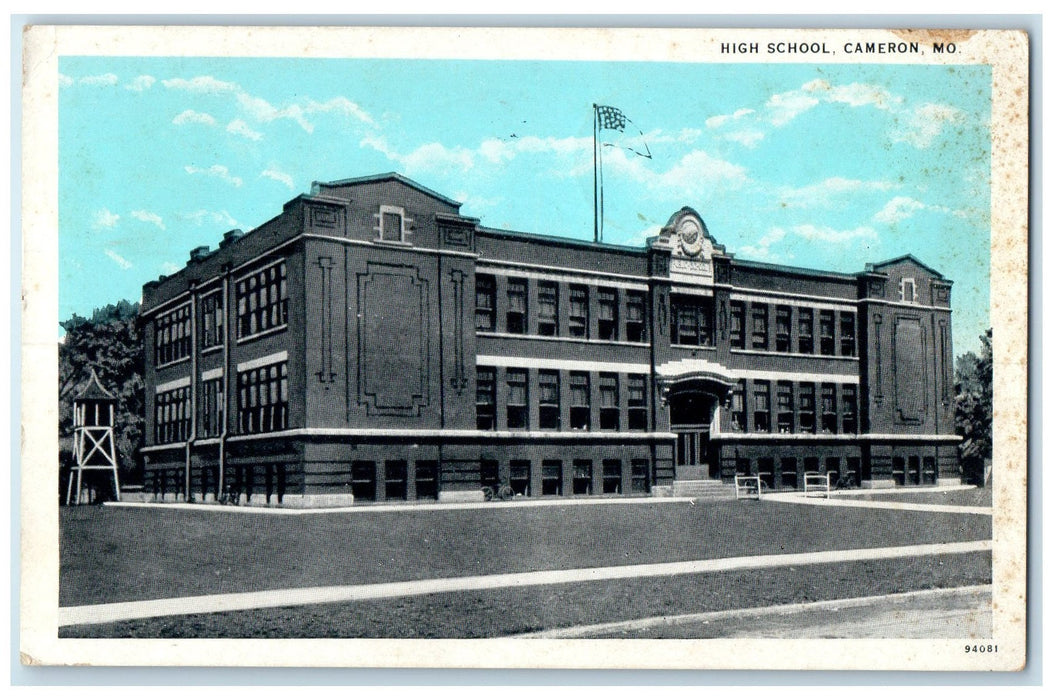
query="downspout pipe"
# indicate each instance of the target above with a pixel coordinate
(193, 390)
(226, 385)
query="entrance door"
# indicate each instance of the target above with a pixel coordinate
(690, 414)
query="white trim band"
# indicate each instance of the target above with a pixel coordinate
(263, 361)
(555, 363)
(771, 299)
(212, 374)
(583, 277)
(174, 384)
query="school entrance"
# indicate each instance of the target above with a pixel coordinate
(692, 407)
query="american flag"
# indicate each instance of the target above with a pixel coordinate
(610, 117)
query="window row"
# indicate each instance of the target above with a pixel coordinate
(795, 329)
(589, 401)
(394, 480)
(263, 300)
(212, 320)
(795, 408)
(263, 399)
(172, 416)
(172, 336)
(550, 318)
(788, 472)
(579, 477)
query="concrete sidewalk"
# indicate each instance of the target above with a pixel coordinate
(842, 499)
(947, 613)
(114, 612)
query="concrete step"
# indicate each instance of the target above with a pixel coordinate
(704, 489)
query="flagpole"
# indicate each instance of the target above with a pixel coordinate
(595, 176)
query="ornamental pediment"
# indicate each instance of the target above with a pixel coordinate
(690, 245)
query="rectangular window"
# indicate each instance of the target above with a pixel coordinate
(637, 388)
(849, 420)
(485, 302)
(212, 321)
(364, 480)
(610, 414)
(641, 482)
(907, 290)
(761, 406)
(826, 332)
(485, 398)
(547, 307)
(515, 319)
(263, 399)
(263, 300)
(766, 471)
(738, 407)
(784, 406)
(172, 416)
(782, 328)
(788, 472)
(692, 321)
(548, 399)
(552, 478)
(607, 314)
(805, 344)
(832, 465)
(427, 480)
(578, 319)
(390, 225)
(516, 379)
(737, 333)
(852, 473)
(519, 477)
(395, 480)
(848, 334)
(806, 408)
(580, 402)
(634, 317)
(828, 405)
(582, 477)
(489, 474)
(212, 405)
(759, 314)
(612, 476)
(172, 336)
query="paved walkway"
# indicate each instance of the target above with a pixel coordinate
(113, 612)
(842, 499)
(947, 613)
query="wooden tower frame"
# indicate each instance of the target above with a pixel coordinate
(94, 447)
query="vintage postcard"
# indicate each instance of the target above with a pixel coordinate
(525, 348)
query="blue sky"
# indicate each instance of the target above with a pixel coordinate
(825, 166)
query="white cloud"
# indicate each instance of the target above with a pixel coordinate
(202, 216)
(240, 128)
(217, 171)
(826, 192)
(64, 80)
(826, 234)
(747, 137)
(170, 268)
(784, 107)
(104, 79)
(201, 83)
(722, 119)
(189, 116)
(141, 83)
(104, 218)
(897, 209)
(922, 125)
(437, 157)
(148, 217)
(761, 250)
(341, 105)
(263, 111)
(121, 262)
(279, 176)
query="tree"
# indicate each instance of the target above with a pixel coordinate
(974, 384)
(110, 343)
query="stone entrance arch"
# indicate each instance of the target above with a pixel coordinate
(692, 400)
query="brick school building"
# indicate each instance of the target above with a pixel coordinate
(370, 343)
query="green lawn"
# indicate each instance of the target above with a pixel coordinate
(119, 554)
(517, 610)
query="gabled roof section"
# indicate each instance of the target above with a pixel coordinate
(93, 390)
(317, 185)
(876, 267)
